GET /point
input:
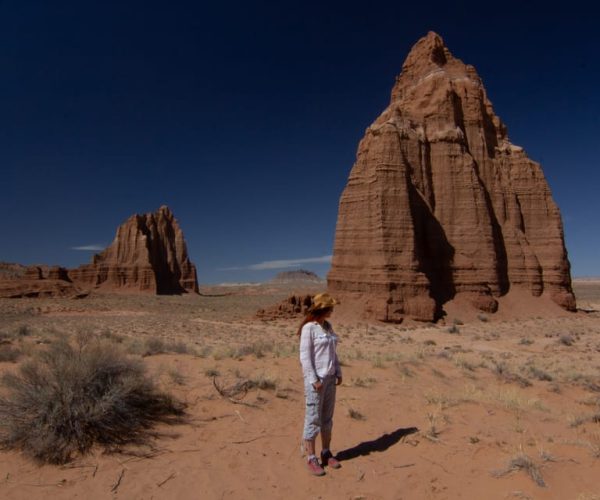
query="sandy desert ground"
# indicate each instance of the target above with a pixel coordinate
(479, 408)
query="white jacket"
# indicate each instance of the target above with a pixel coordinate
(318, 353)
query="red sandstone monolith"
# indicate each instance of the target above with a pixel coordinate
(441, 203)
(148, 254)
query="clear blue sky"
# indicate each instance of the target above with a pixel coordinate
(244, 117)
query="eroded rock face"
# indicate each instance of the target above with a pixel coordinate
(292, 307)
(148, 254)
(440, 203)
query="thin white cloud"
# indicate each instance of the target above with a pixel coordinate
(89, 248)
(279, 264)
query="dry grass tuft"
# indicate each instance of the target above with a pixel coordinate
(9, 354)
(566, 340)
(522, 462)
(503, 372)
(363, 382)
(355, 414)
(68, 398)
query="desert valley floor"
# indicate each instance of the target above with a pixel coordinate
(474, 408)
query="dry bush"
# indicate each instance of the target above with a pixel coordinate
(263, 382)
(537, 373)
(355, 414)
(155, 345)
(503, 372)
(363, 382)
(566, 339)
(523, 462)
(9, 354)
(69, 398)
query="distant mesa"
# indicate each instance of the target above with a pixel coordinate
(441, 205)
(18, 281)
(298, 275)
(148, 254)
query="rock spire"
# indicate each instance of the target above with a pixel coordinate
(440, 203)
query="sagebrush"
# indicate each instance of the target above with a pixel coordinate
(66, 399)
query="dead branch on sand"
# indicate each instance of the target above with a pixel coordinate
(236, 392)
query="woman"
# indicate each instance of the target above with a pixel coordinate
(322, 372)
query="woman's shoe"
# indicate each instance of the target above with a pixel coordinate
(329, 460)
(314, 468)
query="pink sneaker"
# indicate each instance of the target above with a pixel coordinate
(327, 459)
(314, 468)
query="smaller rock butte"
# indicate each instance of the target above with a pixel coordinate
(148, 254)
(439, 203)
(292, 307)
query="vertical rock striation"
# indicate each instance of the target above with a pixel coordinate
(148, 254)
(440, 203)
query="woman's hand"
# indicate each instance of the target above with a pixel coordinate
(338, 380)
(318, 385)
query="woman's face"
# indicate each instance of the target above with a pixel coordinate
(327, 313)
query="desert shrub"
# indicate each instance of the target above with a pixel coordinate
(24, 331)
(66, 399)
(180, 348)
(177, 377)
(6, 337)
(538, 373)
(566, 340)
(453, 329)
(212, 372)
(262, 382)
(363, 382)
(523, 462)
(503, 372)
(9, 354)
(258, 349)
(525, 341)
(355, 414)
(155, 346)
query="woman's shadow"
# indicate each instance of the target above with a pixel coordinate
(382, 443)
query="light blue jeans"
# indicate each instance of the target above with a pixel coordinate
(319, 407)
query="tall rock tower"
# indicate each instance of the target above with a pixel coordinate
(440, 203)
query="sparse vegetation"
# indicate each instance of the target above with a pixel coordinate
(176, 376)
(537, 373)
(363, 382)
(566, 340)
(262, 382)
(212, 372)
(454, 329)
(67, 399)
(9, 354)
(355, 414)
(523, 462)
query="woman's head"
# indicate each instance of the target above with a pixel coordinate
(321, 302)
(320, 310)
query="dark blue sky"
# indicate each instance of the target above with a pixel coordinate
(244, 117)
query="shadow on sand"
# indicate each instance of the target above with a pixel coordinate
(382, 443)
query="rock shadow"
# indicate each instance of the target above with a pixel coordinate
(434, 252)
(380, 444)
